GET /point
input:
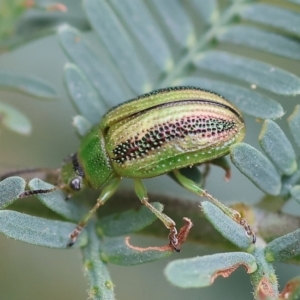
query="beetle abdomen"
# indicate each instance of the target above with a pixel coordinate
(173, 135)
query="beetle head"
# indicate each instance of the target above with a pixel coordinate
(72, 175)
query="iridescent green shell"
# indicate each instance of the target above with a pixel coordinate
(158, 132)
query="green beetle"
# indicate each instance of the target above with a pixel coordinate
(153, 134)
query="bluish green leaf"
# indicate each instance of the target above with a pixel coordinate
(95, 66)
(38, 231)
(10, 189)
(277, 147)
(273, 16)
(295, 192)
(118, 43)
(262, 40)
(27, 84)
(14, 119)
(128, 221)
(230, 229)
(100, 284)
(208, 10)
(289, 181)
(254, 165)
(284, 247)
(202, 271)
(83, 94)
(120, 252)
(294, 124)
(136, 15)
(248, 101)
(177, 21)
(249, 70)
(57, 202)
(82, 125)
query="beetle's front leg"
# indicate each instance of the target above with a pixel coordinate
(108, 190)
(141, 192)
(233, 214)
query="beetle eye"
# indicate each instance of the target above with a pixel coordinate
(75, 184)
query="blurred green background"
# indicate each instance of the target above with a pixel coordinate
(31, 272)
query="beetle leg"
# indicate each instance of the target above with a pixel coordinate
(108, 190)
(233, 214)
(141, 192)
(205, 173)
(223, 163)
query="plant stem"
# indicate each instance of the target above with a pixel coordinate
(202, 43)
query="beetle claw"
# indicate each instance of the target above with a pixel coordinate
(74, 235)
(70, 244)
(174, 244)
(249, 231)
(173, 239)
(176, 249)
(176, 240)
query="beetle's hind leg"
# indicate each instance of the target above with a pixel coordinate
(223, 163)
(108, 190)
(141, 192)
(233, 214)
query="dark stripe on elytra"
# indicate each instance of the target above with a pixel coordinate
(156, 137)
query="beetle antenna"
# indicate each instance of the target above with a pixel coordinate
(37, 192)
